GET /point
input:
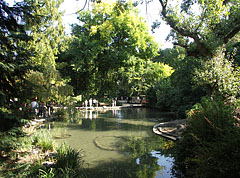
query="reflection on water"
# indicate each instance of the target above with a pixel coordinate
(117, 143)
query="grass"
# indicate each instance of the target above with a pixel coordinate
(43, 139)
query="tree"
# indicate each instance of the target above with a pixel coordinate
(48, 40)
(28, 43)
(212, 26)
(13, 58)
(202, 33)
(108, 38)
(212, 124)
(148, 74)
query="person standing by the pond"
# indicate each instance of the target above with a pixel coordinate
(41, 107)
(51, 106)
(90, 102)
(35, 107)
(94, 102)
(44, 112)
(85, 102)
(114, 102)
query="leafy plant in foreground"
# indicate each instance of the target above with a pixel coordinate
(210, 144)
(43, 139)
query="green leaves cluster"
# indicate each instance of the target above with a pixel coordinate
(210, 143)
(219, 75)
(111, 51)
(205, 29)
(209, 24)
(32, 35)
(48, 40)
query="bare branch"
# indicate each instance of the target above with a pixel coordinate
(80, 9)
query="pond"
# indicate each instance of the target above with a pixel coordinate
(118, 143)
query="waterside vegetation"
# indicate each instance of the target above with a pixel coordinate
(34, 153)
(111, 54)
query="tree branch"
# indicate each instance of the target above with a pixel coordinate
(184, 32)
(181, 45)
(232, 33)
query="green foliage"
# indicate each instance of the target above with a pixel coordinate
(13, 59)
(176, 93)
(210, 143)
(143, 75)
(48, 40)
(219, 75)
(111, 40)
(43, 139)
(171, 56)
(233, 50)
(160, 96)
(47, 174)
(9, 141)
(207, 27)
(61, 114)
(31, 37)
(68, 157)
(69, 162)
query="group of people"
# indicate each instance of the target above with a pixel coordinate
(94, 103)
(90, 103)
(39, 109)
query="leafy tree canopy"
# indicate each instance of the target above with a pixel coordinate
(108, 37)
(48, 40)
(31, 36)
(202, 26)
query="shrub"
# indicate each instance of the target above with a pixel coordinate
(61, 114)
(47, 174)
(9, 141)
(210, 145)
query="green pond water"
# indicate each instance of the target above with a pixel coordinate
(117, 143)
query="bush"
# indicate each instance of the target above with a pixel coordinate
(210, 145)
(61, 114)
(9, 141)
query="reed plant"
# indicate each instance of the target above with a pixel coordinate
(50, 173)
(68, 164)
(68, 157)
(43, 139)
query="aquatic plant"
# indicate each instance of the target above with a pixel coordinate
(47, 173)
(43, 139)
(68, 157)
(60, 114)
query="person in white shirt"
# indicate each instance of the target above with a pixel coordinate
(35, 106)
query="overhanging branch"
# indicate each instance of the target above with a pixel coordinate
(184, 32)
